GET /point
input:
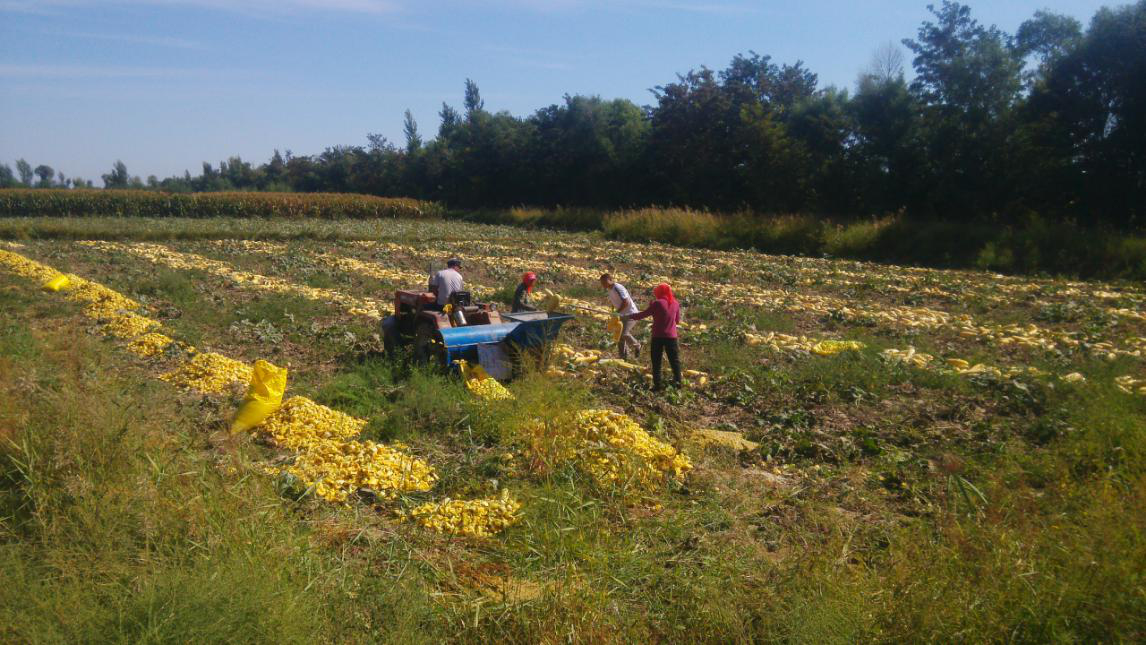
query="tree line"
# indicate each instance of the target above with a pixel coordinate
(1048, 120)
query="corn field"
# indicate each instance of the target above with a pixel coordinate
(138, 203)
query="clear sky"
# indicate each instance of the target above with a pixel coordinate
(167, 84)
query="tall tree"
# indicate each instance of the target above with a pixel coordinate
(587, 151)
(450, 119)
(886, 64)
(1048, 36)
(968, 81)
(410, 129)
(473, 101)
(24, 169)
(1090, 114)
(46, 174)
(118, 177)
(962, 66)
(7, 177)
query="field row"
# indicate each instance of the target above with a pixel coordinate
(1012, 336)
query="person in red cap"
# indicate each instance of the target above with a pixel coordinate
(523, 296)
(665, 311)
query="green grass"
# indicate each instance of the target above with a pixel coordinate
(1030, 246)
(1025, 247)
(117, 527)
(129, 514)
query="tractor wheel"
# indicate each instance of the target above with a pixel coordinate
(427, 345)
(391, 338)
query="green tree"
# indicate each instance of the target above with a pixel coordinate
(963, 67)
(118, 177)
(449, 120)
(587, 151)
(823, 127)
(7, 177)
(968, 80)
(1047, 37)
(24, 169)
(46, 174)
(238, 174)
(1088, 121)
(410, 129)
(274, 173)
(886, 121)
(473, 101)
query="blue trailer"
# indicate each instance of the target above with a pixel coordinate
(443, 338)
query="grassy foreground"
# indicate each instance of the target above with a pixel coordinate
(882, 503)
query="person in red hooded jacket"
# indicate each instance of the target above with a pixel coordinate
(523, 296)
(665, 312)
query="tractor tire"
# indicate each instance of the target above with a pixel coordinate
(391, 338)
(428, 347)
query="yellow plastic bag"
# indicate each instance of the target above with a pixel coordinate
(264, 396)
(57, 283)
(615, 328)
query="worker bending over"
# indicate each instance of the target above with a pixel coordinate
(523, 296)
(445, 283)
(665, 311)
(623, 305)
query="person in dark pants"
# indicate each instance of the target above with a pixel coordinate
(665, 312)
(523, 296)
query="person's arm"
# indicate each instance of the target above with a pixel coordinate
(644, 314)
(679, 314)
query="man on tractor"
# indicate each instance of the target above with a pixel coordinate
(445, 283)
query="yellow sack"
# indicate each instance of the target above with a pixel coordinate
(472, 372)
(615, 327)
(549, 301)
(832, 347)
(57, 283)
(264, 396)
(464, 368)
(481, 384)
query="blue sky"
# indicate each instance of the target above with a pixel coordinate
(167, 84)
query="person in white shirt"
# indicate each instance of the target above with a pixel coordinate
(448, 280)
(623, 304)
